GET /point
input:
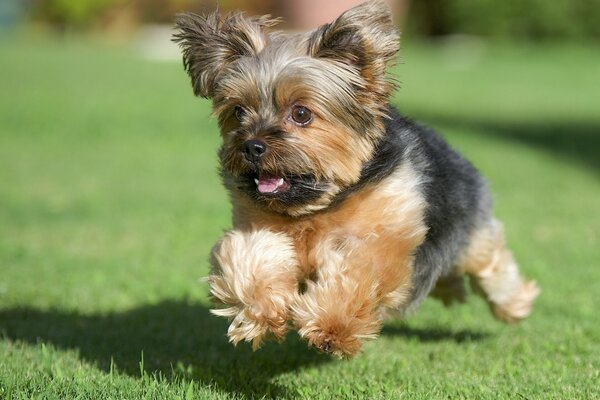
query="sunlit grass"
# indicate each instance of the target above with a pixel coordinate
(110, 202)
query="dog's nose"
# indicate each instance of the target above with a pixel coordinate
(254, 149)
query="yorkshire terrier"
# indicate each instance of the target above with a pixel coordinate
(342, 207)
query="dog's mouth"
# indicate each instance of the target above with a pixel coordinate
(281, 192)
(284, 187)
(269, 184)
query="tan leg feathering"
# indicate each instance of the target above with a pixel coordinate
(255, 274)
(495, 275)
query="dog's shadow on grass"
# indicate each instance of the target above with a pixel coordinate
(436, 334)
(178, 340)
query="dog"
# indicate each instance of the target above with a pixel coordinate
(343, 208)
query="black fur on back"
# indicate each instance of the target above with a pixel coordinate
(456, 195)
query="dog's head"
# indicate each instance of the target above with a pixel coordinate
(299, 113)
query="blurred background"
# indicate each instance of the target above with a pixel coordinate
(110, 201)
(510, 19)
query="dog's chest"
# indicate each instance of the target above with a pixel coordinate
(359, 230)
(311, 237)
(372, 221)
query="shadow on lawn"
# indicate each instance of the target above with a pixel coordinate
(178, 340)
(576, 141)
(438, 334)
(182, 340)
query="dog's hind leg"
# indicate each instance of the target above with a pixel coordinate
(450, 289)
(495, 274)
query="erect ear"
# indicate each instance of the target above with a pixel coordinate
(210, 43)
(364, 37)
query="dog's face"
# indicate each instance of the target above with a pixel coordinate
(299, 113)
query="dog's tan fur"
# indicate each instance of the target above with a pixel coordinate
(351, 266)
(256, 275)
(495, 275)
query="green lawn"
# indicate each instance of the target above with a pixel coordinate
(110, 202)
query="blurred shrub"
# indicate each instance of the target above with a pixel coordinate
(516, 19)
(513, 19)
(70, 13)
(83, 14)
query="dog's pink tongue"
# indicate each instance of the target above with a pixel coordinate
(269, 183)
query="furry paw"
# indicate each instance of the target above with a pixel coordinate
(336, 317)
(450, 289)
(518, 306)
(255, 275)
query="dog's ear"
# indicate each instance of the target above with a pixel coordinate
(210, 43)
(364, 37)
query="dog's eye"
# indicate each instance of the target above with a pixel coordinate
(301, 115)
(240, 113)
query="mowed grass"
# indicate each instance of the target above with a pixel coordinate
(110, 203)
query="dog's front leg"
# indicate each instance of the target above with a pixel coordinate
(355, 280)
(255, 276)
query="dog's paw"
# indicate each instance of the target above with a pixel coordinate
(336, 318)
(518, 306)
(449, 290)
(255, 322)
(255, 275)
(339, 339)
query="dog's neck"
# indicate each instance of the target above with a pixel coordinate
(388, 154)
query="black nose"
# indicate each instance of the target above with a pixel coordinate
(254, 149)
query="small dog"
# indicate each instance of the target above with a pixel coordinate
(342, 208)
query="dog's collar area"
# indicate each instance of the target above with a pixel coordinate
(387, 157)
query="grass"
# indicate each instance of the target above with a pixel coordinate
(110, 202)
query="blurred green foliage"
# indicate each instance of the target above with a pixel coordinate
(69, 13)
(85, 14)
(516, 19)
(511, 19)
